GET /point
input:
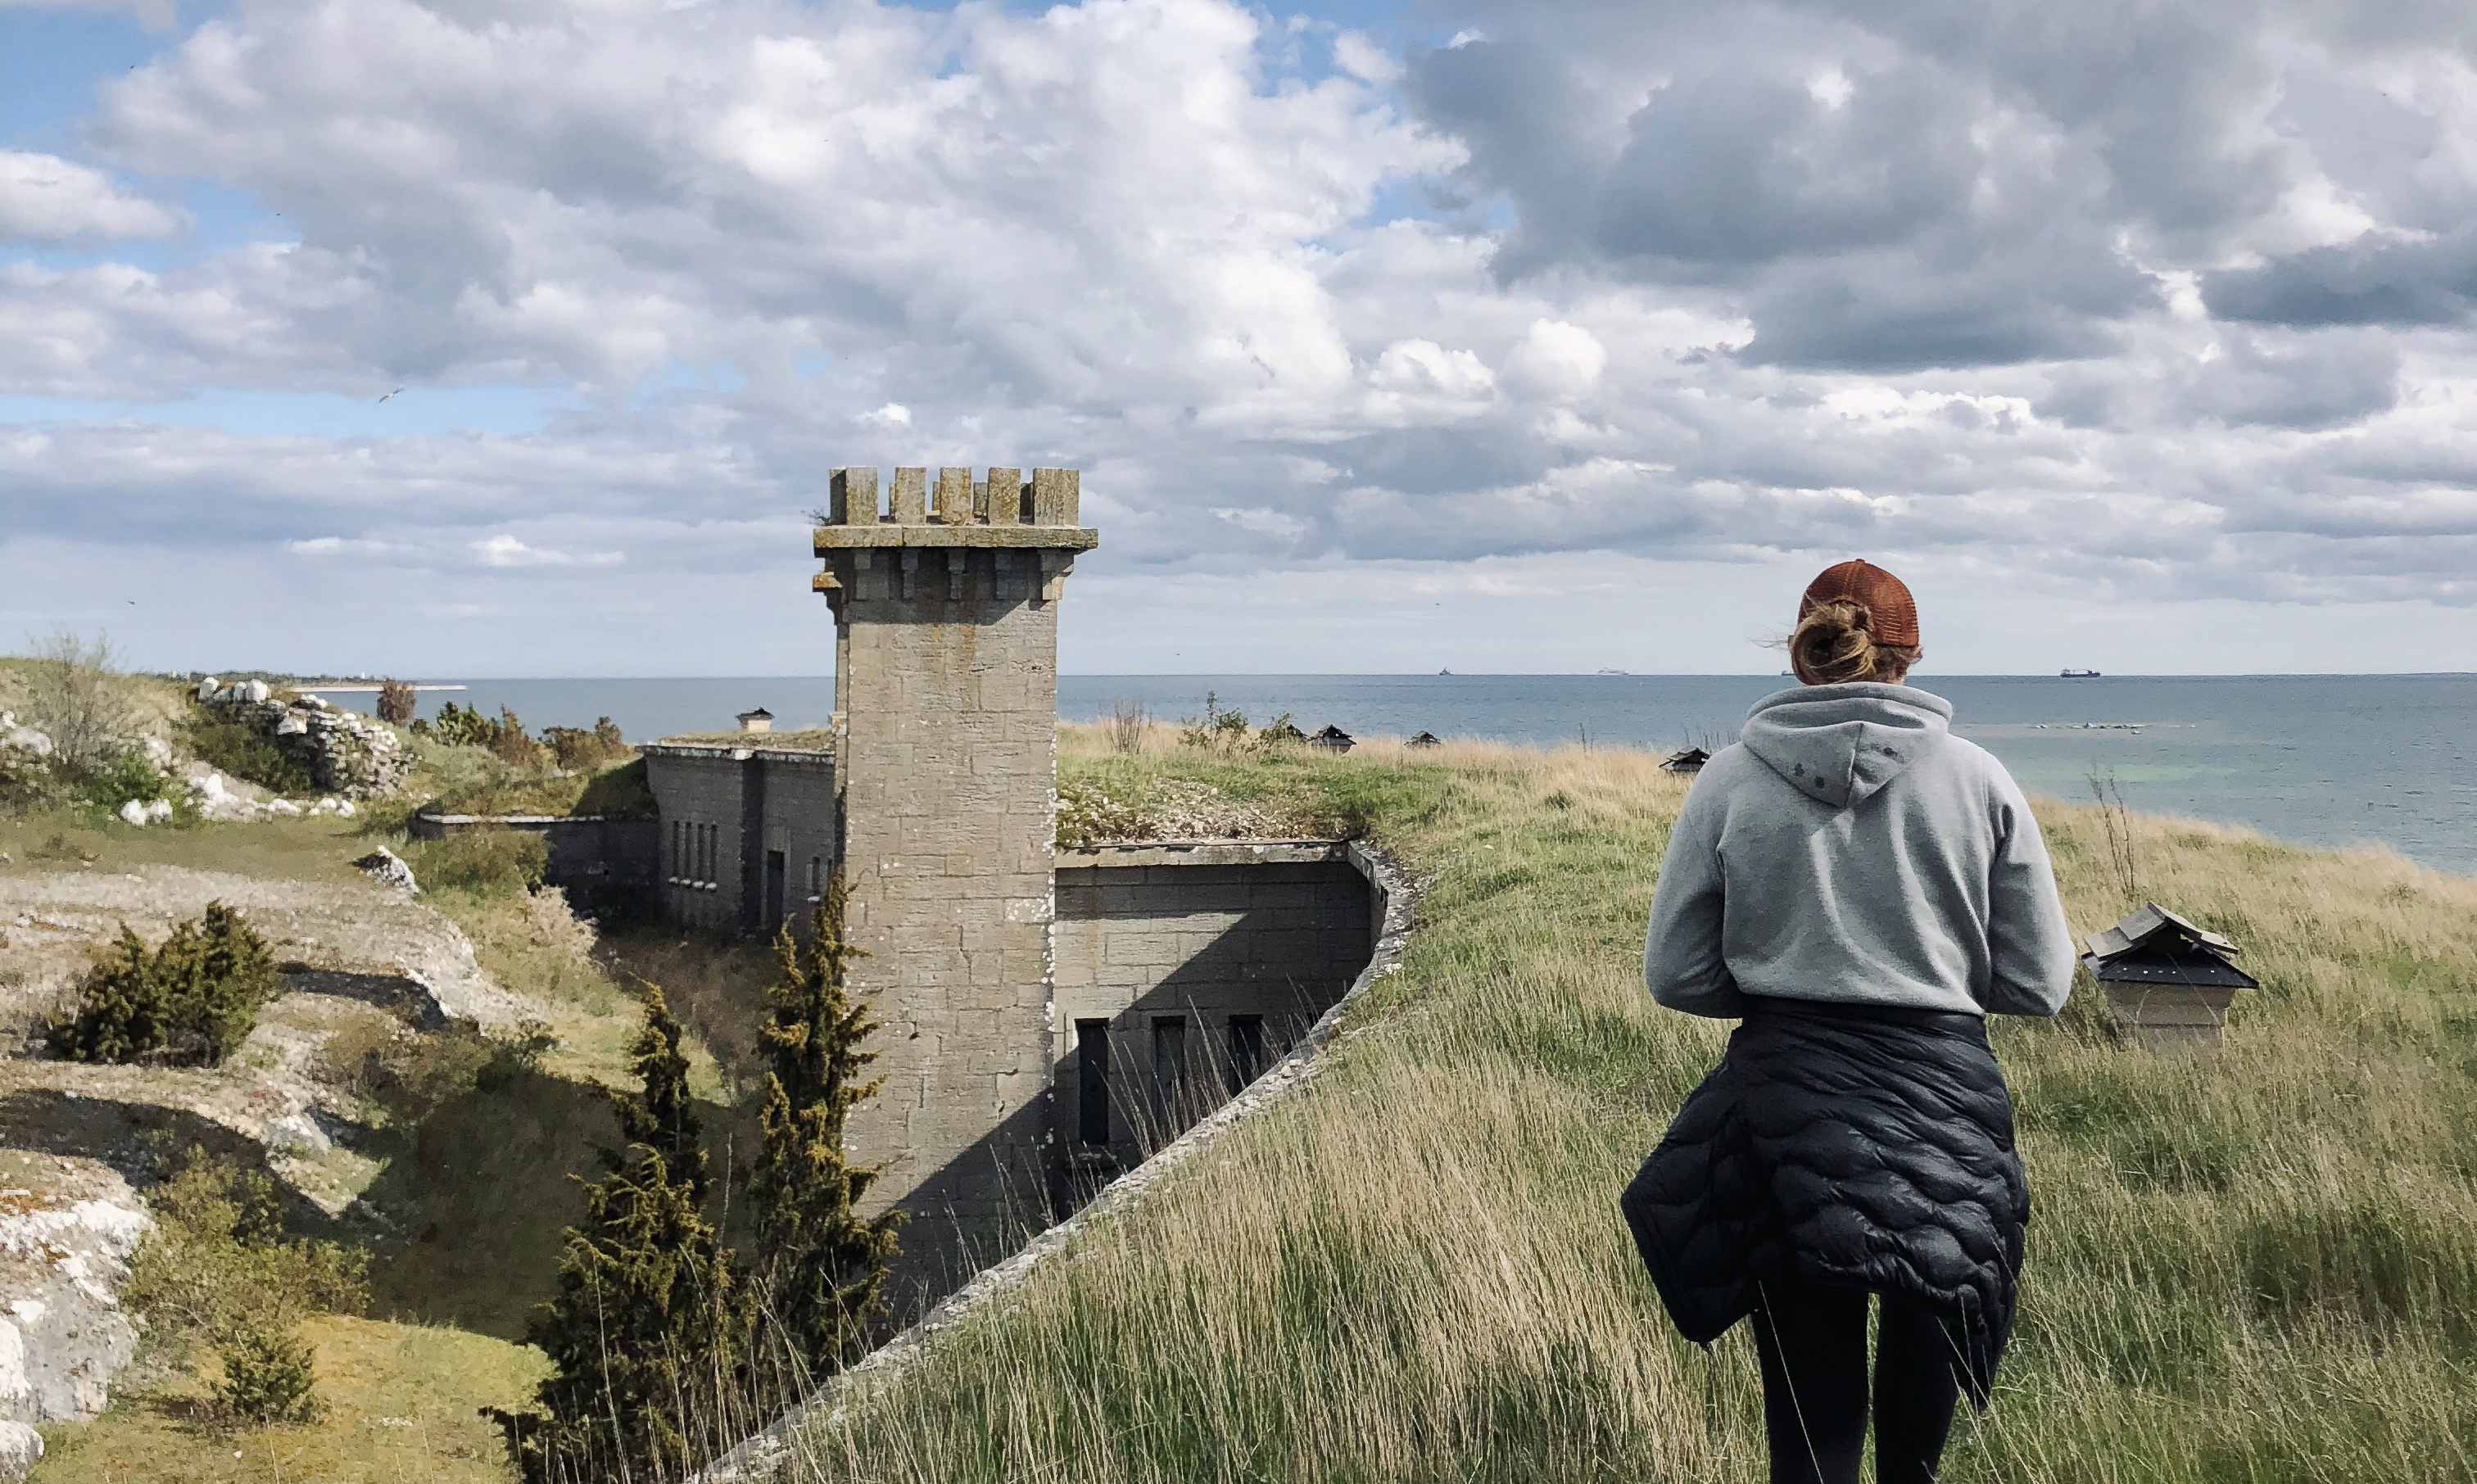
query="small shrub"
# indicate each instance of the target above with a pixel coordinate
(75, 695)
(486, 860)
(1128, 725)
(121, 1014)
(268, 1379)
(192, 1001)
(396, 703)
(238, 749)
(576, 748)
(553, 925)
(1217, 730)
(504, 739)
(121, 777)
(216, 1265)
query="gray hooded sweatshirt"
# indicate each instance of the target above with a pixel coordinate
(1850, 849)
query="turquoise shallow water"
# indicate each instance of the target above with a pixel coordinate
(2318, 759)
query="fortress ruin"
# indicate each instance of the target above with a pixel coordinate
(1049, 1018)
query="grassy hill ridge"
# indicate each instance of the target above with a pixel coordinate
(2258, 1266)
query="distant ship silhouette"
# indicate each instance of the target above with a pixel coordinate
(2080, 675)
(1444, 672)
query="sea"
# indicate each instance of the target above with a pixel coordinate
(2313, 759)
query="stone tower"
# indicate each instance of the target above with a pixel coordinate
(945, 606)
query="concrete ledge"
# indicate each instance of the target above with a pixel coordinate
(1204, 852)
(760, 1456)
(740, 751)
(518, 820)
(837, 538)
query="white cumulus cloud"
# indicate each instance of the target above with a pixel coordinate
(47, 200)
(506, 550)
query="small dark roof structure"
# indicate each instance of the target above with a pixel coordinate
(1423, 739)
(1284, 731)
(2154, 946)
(1333, 737)
(757, 719)
(1685, 760)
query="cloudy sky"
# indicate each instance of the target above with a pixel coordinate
(514, 336)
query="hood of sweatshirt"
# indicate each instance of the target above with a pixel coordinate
(1838, 743)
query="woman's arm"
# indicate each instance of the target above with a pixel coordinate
(2030, 946)
(1681, 953)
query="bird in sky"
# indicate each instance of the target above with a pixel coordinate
(391, 394)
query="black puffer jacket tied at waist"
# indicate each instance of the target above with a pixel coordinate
(1846, 1145)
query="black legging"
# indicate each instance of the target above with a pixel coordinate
(1812, 1342)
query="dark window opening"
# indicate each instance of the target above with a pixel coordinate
(776, 867)
(1169, 1063)
(1246, 1049)
(1092, 1082)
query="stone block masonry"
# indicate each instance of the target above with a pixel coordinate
(947, 687)
(1184, 971)
(747, 834)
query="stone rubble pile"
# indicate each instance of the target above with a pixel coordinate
(349, 756)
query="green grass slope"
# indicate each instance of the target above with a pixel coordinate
(2258, 1266)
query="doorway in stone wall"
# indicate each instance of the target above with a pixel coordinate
(775, 871)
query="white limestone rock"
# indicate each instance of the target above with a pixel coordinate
(390, 868)
(21, 1445)
(251, 692)
(23, 738)
(63, 1337)
(132, 813)
(207, 689)
(281, 807)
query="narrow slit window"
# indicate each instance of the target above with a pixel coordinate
(1246, 1049)
(1169, 1062)
(1092, 1082)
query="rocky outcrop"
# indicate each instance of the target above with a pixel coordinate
(347, 753)
(67, 1237)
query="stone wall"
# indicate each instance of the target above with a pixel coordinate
(605, 866)
(348, 754)
(1206, 961)
(747, 833)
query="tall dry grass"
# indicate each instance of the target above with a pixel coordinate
(2257, 1266)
